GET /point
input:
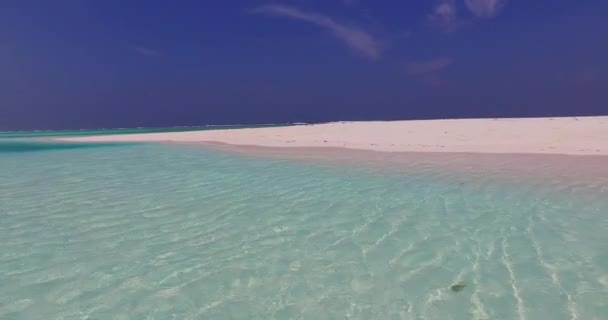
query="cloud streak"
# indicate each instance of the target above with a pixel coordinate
(358, 40)
(146, 51)
(429, 66)
(429, 72)
(485, 8)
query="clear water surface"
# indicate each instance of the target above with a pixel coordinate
(145, 231)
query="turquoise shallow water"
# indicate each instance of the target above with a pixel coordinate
(97, 132)
(180, 232)
(23, 146)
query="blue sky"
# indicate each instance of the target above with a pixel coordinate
(90, 64)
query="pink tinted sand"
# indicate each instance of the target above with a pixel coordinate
(566, 136)
(547, 147)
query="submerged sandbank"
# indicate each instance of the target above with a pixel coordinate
(516, 165)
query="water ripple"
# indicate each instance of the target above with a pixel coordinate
(166, 232)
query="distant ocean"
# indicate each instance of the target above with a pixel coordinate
(97, 132)
(158, 231)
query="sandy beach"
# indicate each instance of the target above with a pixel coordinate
(565, 136)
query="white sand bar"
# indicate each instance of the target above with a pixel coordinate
(571, 136)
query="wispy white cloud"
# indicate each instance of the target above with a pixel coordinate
(485, 8)
(445, 13)
(360, 41)
(429, 66)
(146, 51)
(445, 16)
